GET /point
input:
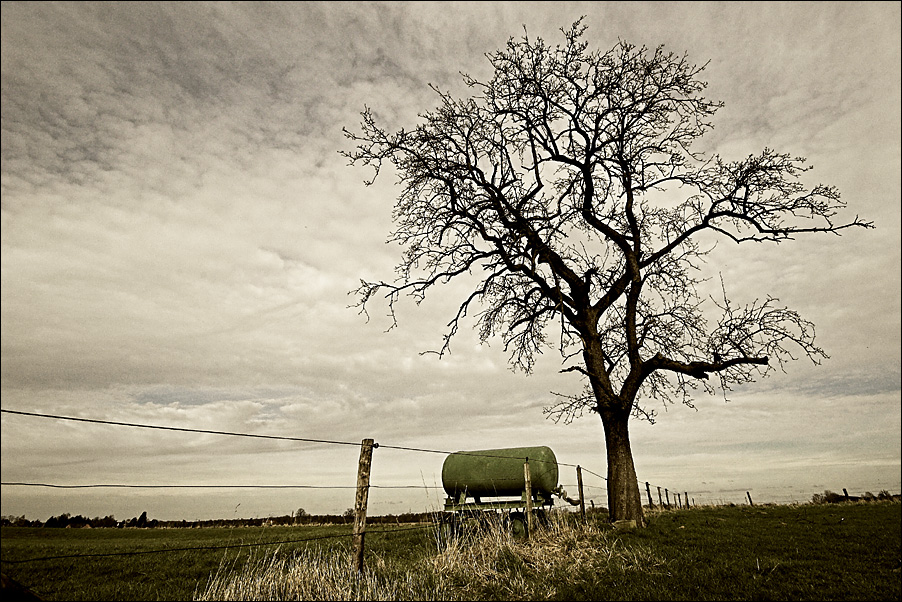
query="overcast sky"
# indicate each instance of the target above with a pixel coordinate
(180, 233)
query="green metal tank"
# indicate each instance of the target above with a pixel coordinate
(499, 472)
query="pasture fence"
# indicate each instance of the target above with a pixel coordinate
(362, 488)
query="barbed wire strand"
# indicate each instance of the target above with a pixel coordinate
(277, 437)
(299, 439)
(584, 469)
(471, 453)
(182, 429)
(257, 436)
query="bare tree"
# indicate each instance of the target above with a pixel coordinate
(569, 185)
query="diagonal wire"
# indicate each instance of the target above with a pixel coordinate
(282, 438)
(186, 430)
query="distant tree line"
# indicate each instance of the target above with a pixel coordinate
(830, 497)
(301, 517)
(67, 521)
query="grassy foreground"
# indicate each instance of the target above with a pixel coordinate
(807, 552)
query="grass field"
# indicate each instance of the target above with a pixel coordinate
(805, 552)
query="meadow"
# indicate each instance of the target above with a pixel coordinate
(848, 551)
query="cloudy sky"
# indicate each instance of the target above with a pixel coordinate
(180, 233)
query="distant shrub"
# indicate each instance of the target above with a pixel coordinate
(828, 497)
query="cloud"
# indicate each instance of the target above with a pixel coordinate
(180, 235)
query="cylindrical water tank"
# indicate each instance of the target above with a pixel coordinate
(499, 472)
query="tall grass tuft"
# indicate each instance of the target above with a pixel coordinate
(484, 562)
(311, 574)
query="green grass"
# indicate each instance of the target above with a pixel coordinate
(828, 552)
(807, 552)
(141, 576)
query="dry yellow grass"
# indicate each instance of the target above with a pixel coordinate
(482, 563)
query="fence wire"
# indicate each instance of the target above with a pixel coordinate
(248, 486)
(272, 437)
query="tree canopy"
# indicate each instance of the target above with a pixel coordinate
(569, 186)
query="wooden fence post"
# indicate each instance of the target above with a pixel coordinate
(363, 490)
(660, 500)
(686, 497)
(582, 498)
(528, 480)
(651, 504)
(679, 501)
(667, 495)
(749, 495)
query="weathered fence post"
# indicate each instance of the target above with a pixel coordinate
(686, 497)
(679, 500)
(363, 490)
(651, 504)
(845, 493)
(667, 495)
(528, 479)
(660, 501)
(749, 495)
(582, 497)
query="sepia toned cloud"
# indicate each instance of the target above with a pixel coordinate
(180, 235)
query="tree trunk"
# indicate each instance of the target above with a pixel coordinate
(624, 499)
